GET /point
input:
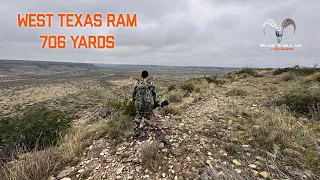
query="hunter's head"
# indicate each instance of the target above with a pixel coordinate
(144, 74)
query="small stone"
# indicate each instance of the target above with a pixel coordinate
(66, 178)
(119, 170)
(253, 166)
(209, 154)
(260, 158)
(161, 146)
(238, 171)
(130, 177)
(163, 175)
(208, 162)
(237, 163)
(188, 159)
(264, 174)
(138, 168)
(65, 172)
(52, 178)
(245, 146)
(164, 150)
(118, 177)
(81, 171)
(254, 172)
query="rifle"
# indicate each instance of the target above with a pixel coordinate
(164, 103)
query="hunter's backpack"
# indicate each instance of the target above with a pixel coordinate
(144, 99)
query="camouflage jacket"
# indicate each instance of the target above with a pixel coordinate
(152, 88)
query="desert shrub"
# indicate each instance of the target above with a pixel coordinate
(171, 109)
(237, 92)
(300, 71)
(125, 105)
(38, 165)
(214, 80)
(315, 112)
(281, 71)
(288, 77)
(232, 76)
(151, 156)
(188, 86)
(171, 87)
(36, 127)
(117, 125)
(247, 70)
(304, 71)
(315, 77)
(313, 159)
(301, 99)
(175, 96)
(259, 75)
(278, 126)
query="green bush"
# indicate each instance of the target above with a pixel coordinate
(237, 92)
(188, 86)
(288, 77)
(117, 125)
(125, 105)
(247, 70)
(175, 96)
(300, 71)
(232, 76)
(313, 159)
(301, 99)
(214, 80)
(171, 87)
(37, 127)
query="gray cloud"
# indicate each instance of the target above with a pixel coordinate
(179, 32)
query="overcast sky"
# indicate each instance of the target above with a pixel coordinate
(172, 32)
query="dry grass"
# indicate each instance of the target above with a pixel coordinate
(41, 164)
(74, 142)
(237, 92)
(38, 165)
(278, 126)
(175, 96)
(151, 156)
(171, 109)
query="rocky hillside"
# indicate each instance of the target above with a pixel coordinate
(253, 124)
(228, 133)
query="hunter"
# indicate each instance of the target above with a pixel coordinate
(144, 97)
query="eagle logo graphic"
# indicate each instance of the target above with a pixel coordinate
(279, 29)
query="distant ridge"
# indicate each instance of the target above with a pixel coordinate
(10, 65)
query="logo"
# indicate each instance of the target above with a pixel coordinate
(279, 31)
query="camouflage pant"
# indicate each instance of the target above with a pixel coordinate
(142, 122)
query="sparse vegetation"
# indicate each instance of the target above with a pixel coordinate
(237, 92)
(117, 125)
(188, 86)
(300, 71)
(289, 76)
(36, 128)
(125, 105)
(301, 99)
(278, 126)
(151, 157)
(171, 109)
(247, 70)
(175, 96)
(171, 87)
